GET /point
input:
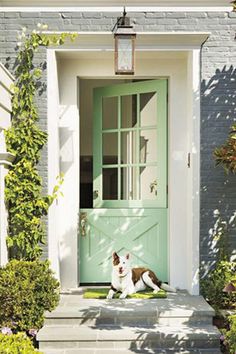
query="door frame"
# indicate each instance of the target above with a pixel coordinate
(64, 256)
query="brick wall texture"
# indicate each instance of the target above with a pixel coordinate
(218, 88)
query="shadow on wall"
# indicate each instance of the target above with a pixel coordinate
(218, 190)
(41, 85)
(66, 149)
(67, 258)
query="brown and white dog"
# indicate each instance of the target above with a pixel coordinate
(129, 280)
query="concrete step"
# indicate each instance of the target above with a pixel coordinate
(137, 338)
(179, 324)
(173, 311)
(129, 351)
(70, 318)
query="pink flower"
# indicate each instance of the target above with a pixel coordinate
(222, 338)
(32, 332)
(6, 330)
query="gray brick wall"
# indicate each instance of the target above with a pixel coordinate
(218, 87)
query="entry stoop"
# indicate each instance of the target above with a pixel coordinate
(179, 324)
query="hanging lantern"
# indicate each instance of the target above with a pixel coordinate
(124, 46)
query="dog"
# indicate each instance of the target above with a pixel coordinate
(129, 280)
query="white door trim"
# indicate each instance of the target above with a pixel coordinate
(63, 251)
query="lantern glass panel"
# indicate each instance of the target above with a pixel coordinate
(124, 54)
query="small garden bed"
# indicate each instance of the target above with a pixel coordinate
(218, 289)
(27, 290)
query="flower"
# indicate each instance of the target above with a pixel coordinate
(14, 324)
(32, 332)
(222, 338)
(216, 213)
(39, 25)
(6, 330)
(44, 27)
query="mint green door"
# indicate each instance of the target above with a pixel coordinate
(129, 181)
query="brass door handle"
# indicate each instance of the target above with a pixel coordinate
(153, 187)
(83, 224)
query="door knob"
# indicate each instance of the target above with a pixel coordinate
(95, 194)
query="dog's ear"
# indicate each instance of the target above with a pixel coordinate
(116, 258)
(114, 255)
(127, 256)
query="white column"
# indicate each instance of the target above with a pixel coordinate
(63, 156)
(53, 160)
(5, 161)
(193, 220)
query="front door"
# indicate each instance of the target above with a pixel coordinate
(129, 181)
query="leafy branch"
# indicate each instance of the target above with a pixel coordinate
(226, 154)
(23, 194)
(234, 5)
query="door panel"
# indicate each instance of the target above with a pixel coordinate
(129, 179)
(142, 232)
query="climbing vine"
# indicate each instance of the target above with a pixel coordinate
(26, 203)
(225, 155)
(234, 5)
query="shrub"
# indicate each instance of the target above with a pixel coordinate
(212, 287)
(16, 344)
(27, 289)
(230, 336)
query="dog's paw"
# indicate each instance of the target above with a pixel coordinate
(156, 291)
(123, 296)
(110, 294)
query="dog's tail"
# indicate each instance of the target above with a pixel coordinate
(168, 288)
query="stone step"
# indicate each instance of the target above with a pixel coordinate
(123, 351)
(122, 337)
(70, 318)
(171, 311)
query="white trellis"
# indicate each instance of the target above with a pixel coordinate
(6, 158)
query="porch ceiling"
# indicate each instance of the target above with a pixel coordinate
(146, 41)
(73, 54)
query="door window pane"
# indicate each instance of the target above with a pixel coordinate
(110, 183)
(109, 112)
(148, 109)
(125, 53)
(128, 111)
(128, 147)
(129, 183)
(148, 182)
(110, 148)
(148, 146)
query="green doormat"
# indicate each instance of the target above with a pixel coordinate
(102, 294)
